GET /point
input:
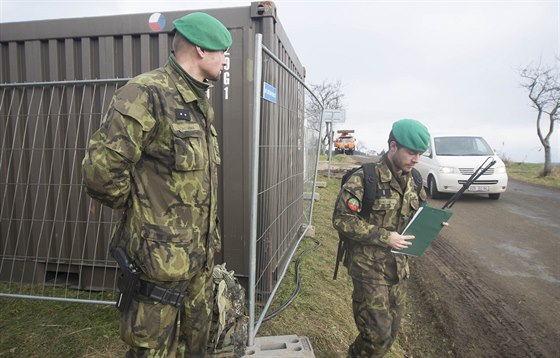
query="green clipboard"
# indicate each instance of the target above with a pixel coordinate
(425, 225)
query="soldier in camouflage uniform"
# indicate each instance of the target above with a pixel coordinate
(378, 275)
(156, 156)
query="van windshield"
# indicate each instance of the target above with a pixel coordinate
(458, 146)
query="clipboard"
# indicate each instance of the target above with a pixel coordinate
(425, 225)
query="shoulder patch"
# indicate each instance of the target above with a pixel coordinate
(182, 114)
(353, 204)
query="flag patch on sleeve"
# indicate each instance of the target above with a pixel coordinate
(353, 204)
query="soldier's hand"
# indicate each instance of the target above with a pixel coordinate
(398, 241)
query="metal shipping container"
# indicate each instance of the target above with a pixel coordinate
(39, 222)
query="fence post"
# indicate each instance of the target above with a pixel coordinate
(257, 77)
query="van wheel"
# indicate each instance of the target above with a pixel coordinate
(432, 188)
(494, 196)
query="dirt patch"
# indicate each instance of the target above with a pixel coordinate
(476, 318)
(422, 333)
(337, 168)
(472, 314)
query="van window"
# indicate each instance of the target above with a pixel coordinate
(458, 146)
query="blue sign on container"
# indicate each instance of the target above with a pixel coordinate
(269, 92)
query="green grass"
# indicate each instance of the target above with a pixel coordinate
(322, 311)
(532, 173)
(37, 328)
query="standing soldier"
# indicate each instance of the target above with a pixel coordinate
(156, 156)
(378, 275)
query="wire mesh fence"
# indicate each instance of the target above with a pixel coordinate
(53, 237)
(287, 153)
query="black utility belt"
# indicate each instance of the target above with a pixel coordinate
(130, 285)
(166, 296)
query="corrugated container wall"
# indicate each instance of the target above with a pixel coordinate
(122, 47)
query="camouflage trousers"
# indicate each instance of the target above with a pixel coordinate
(377, 312)
(155, 330)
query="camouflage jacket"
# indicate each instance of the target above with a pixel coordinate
(369, 256)
(156, 156)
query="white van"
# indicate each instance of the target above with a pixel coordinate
(451, 159)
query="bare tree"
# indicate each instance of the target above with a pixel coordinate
(330, 96)
(543, 84)
(361, 147)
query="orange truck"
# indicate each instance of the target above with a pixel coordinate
(345, 143)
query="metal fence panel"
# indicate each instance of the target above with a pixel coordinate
(283, 186)
(51, 233)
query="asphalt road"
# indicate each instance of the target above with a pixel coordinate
(495, 272)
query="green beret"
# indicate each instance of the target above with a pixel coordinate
(411, 134)
(204, 30)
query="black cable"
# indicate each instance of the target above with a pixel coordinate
(298, 283)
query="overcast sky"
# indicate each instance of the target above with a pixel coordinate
(450, 64)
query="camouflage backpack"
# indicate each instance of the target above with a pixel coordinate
(228, 330)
